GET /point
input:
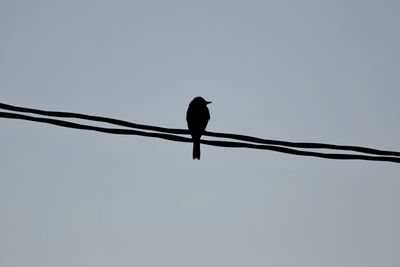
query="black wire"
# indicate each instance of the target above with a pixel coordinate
(245, 138)
(207, 142)
(92, 118)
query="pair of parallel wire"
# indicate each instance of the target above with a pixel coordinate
(241, 141)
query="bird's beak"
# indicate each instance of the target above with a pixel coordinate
(208, 102)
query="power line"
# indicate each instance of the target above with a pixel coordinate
(172, 135)
(245, 138)
(73, 115)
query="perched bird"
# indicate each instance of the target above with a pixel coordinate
(197, 117)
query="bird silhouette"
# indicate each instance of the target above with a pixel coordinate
(197, 117)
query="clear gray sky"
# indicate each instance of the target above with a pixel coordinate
(316, 71)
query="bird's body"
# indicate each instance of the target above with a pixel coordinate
(197, 117)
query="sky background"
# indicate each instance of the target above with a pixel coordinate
(312, 71)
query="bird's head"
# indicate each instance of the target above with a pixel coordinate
(200, 101)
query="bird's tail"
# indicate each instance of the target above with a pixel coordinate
(196, 150)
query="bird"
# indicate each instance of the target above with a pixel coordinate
(197, 117)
